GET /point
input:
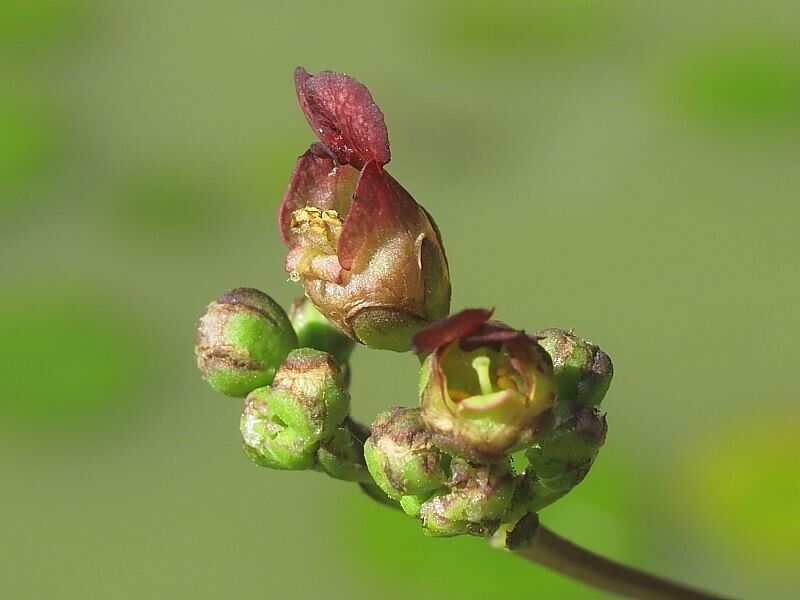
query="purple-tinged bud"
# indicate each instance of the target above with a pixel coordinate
(476, 498)
(402, 457)
(242, 339)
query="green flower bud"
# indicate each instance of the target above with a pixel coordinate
(477, 498)
(583, 371)
(283, 425)
(486, 388)
(242, 339)
(342, 456)
(401, 456)
(315, 331)
(562, 458)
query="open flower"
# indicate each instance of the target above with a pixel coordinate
(485, 387)
(369, 257)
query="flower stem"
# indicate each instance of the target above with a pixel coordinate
(544, 547)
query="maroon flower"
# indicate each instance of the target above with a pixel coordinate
(369, 257)
(485, 387)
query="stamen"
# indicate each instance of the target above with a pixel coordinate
(317, 228)
(481, 365)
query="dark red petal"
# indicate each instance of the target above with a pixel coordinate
(301, 76)
(449, 329)
(491, 335)
(380, 208)
(316, 181)
(344, 117)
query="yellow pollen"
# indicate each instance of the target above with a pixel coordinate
(309, 217)
(504, 383)
(457, 395)
(317, 228)
(331, 216)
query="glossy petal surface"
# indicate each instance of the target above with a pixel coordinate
(344, 116)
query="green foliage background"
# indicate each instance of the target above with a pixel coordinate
(629, 169)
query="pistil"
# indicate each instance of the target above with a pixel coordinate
(481, 365)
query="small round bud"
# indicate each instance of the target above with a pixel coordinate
(242, 339)
(485, 388)
(475, 503)
(583, 371)
(283, 425)
(315, 331)
(401, 456)
(562, 458)
(575, 438)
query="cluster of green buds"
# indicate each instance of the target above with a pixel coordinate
(293, 372)
(449, 494)
(505, 422)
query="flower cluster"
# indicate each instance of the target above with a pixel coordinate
(505, 423)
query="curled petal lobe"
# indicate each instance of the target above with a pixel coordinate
(344, 116)
(449, 329)
(493, 335)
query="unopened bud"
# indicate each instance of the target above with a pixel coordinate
(401, 456)
(283, 425)
(474, 503)
(583, 371)
(561, 459)
(242, 339)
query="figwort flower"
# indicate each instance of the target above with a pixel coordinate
(485, 387)
(368, 256)
(242, 339)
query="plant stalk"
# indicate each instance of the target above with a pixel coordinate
(540, 545)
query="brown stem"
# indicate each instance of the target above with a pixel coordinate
(536, 543)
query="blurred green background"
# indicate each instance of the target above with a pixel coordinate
(629, 169)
